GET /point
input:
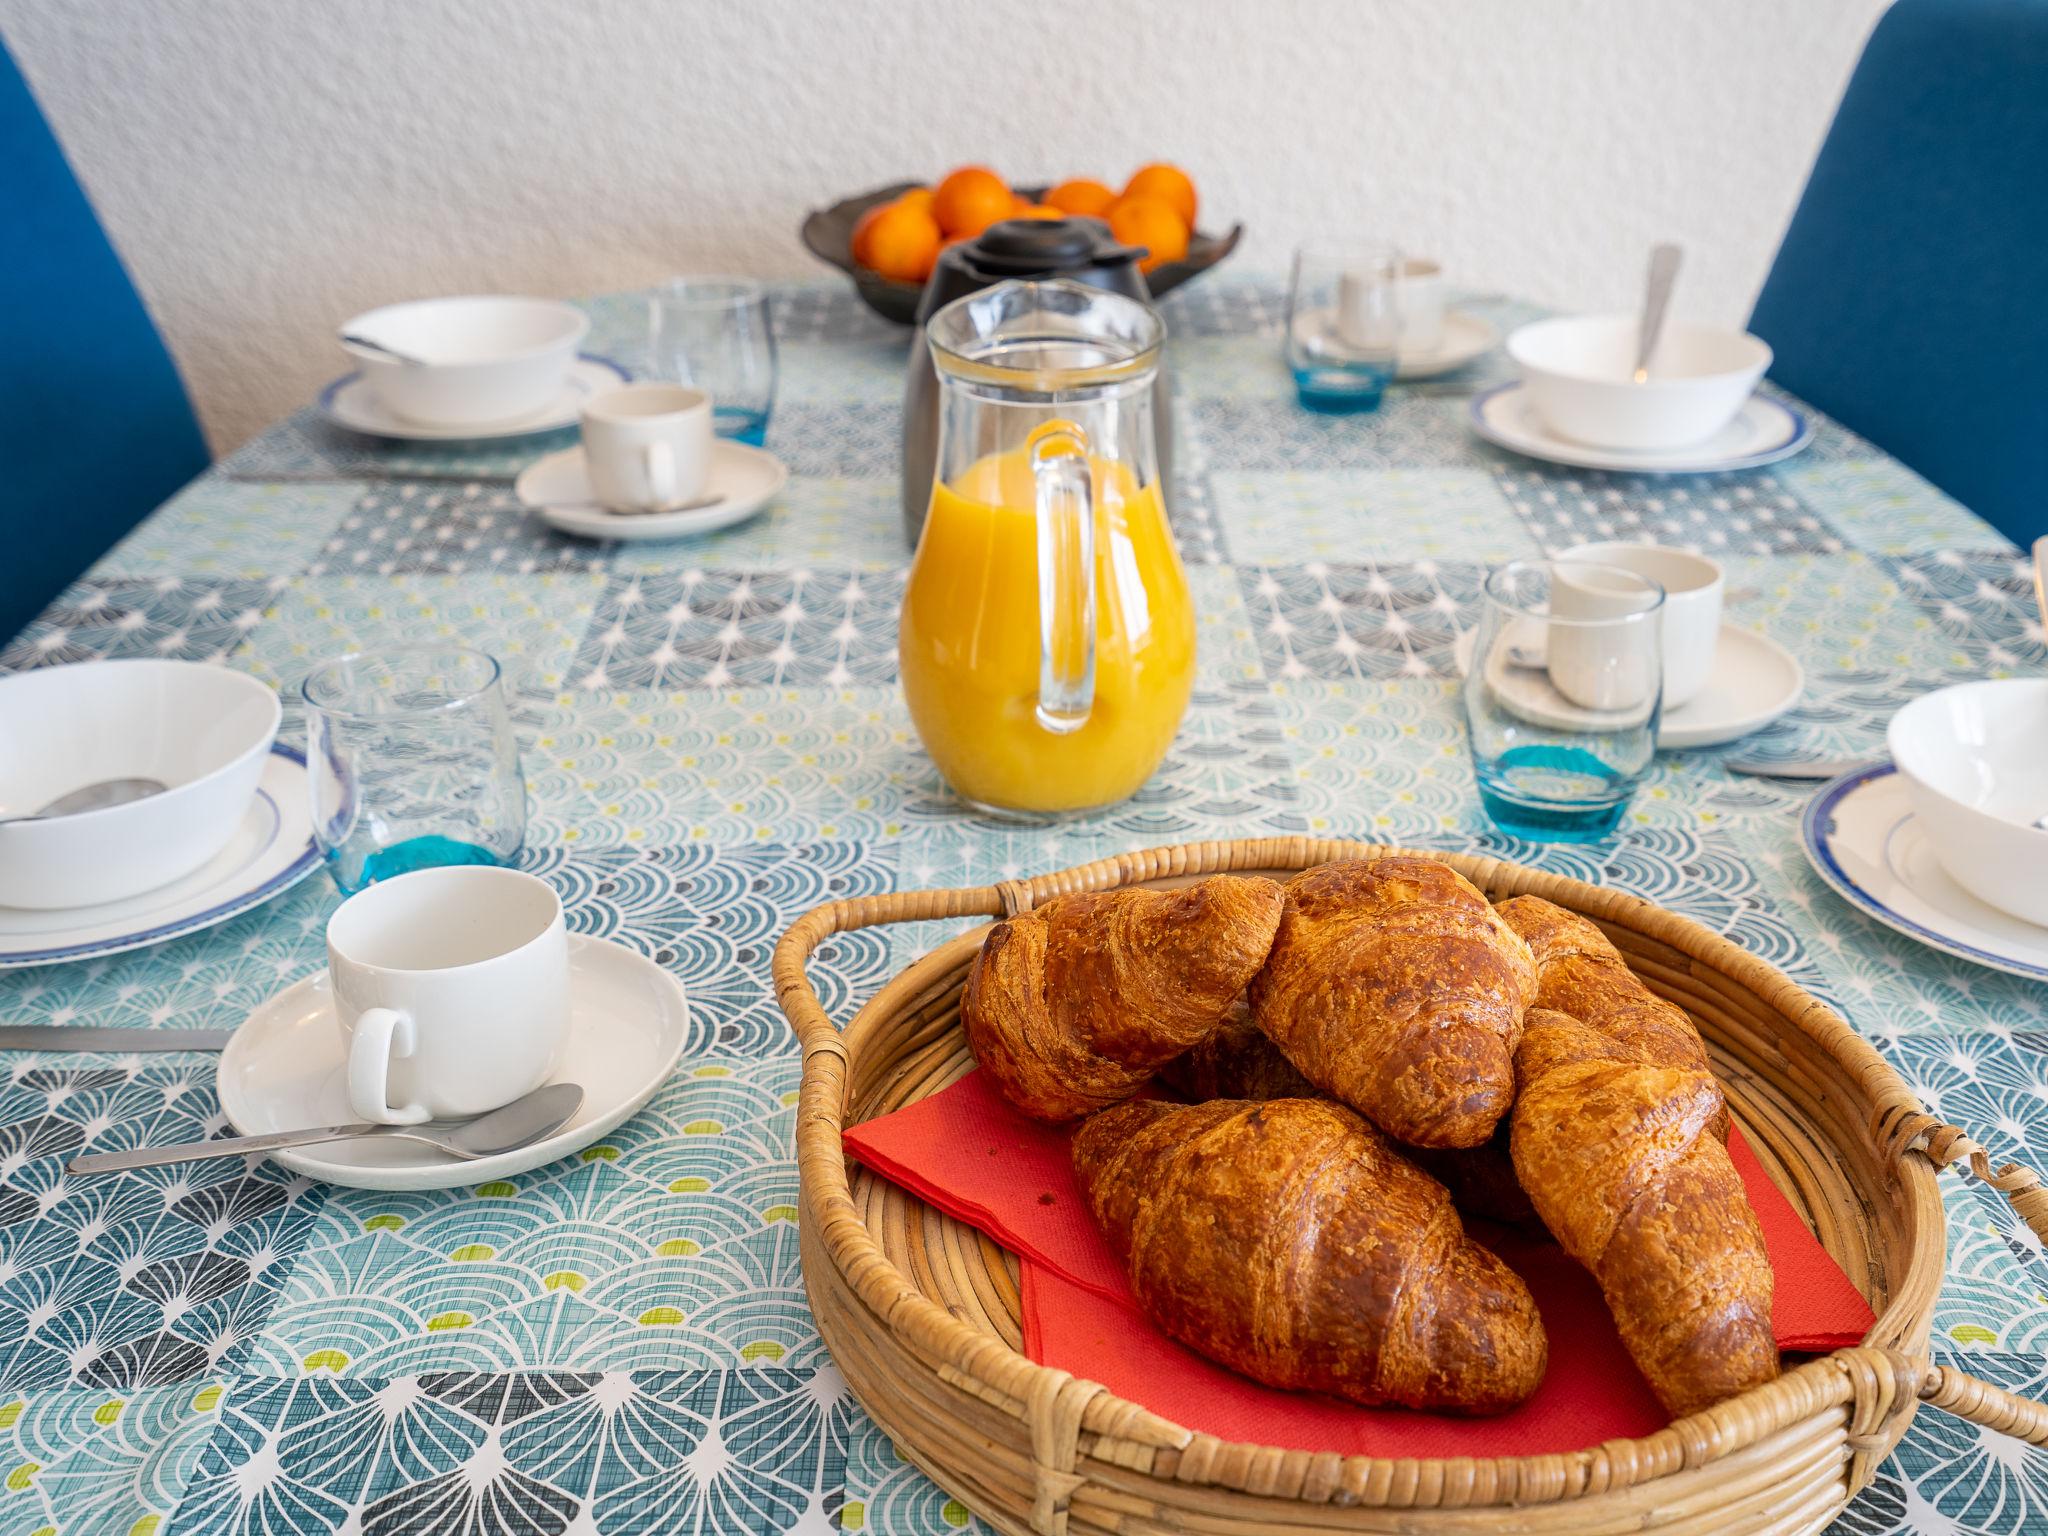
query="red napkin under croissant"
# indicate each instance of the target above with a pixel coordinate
(968, 1153)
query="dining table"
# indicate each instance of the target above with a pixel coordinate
(714, 742)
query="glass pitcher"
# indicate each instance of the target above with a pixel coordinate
(1047, 644)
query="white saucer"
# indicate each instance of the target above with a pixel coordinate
(1763, 431)
(1862, 838)
(1755, 680)
(1467, 337)
(348, 402)
(271, 851)
(284, 1069)
(744, 478)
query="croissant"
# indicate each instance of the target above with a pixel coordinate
(1617, 1137)
(1482, 1180)
(1237, 1061)
(1076, 1004)
(1289, 1241)
(1394, 987)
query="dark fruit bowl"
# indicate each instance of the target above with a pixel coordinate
(828, 232)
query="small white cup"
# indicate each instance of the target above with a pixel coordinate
(647, 447)
(1602, 648)
(452, 990)
(1420, 297)
(1693, 587)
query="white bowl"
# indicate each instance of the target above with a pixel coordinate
(204, 731)
(1579, 373)
(485, 360)
(1975, 761)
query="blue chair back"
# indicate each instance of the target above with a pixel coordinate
(95, 428)
(1910, 298)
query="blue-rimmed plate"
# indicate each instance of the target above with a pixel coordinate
(349, 402)
(1763, 431)
(1862, 838)
(271, 851)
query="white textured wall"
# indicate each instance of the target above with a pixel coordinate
(270, 166)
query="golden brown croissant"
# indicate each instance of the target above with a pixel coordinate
(1289, 1241)
(1481, 1179)
(1394, 987)
(1076, 1004)
(1618, 1140)
(1237, 1061)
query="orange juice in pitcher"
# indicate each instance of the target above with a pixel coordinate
(1047, 645)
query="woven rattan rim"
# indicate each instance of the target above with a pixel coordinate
(1074, 1424)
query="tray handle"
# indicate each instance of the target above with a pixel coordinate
(1903, 1127)
(1982, 1402)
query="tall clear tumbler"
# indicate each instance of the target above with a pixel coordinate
(717, 335)
(1563, 696)
(413, 762)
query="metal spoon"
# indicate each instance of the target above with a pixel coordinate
(93, 797)
(1812, 769)
(1664, 260)
(407, 358)
(518, 1124)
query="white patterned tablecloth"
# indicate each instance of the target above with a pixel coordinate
(715, 742)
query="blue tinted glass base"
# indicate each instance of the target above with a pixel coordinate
(1553, 794)
(429, 852)
(740, 423)
(1342, 391)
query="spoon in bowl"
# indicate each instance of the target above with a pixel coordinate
(93, 797)
(1664, 260)
(353, 340)
(506, 1129)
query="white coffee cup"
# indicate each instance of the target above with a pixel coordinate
(1693, 587)
(1420, 298)
(452, 990)
(647, 447)
(1603, 645)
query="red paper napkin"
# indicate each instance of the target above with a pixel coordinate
(967, 1152)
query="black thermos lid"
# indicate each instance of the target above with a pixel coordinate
(1035, 249)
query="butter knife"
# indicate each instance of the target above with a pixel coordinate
(104, 1037)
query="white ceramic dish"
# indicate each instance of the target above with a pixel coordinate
(271, 851)
(1466, 338)
(285, 1068)
(481, 360)
(1862, 838)
(1974, 758)
(201, 730)
(1763, 431)
(1579, 371)
(743, 478)
(1755, 680)
(349, 402)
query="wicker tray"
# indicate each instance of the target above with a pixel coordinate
(921, 1312)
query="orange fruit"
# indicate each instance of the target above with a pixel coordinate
(920, 197)
(971, 199)
(864, 227)
(1088, 198)
(1168, 183)
(1030, 210)
(1153, 224)
(903, 243)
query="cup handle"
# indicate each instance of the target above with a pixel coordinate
(660, 463)
(380, 1034)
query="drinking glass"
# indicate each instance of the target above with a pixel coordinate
(716, 334)
(1343, 326)
(1563, 696)
(413, 762)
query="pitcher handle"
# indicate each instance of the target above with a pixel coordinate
(1066, 576)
